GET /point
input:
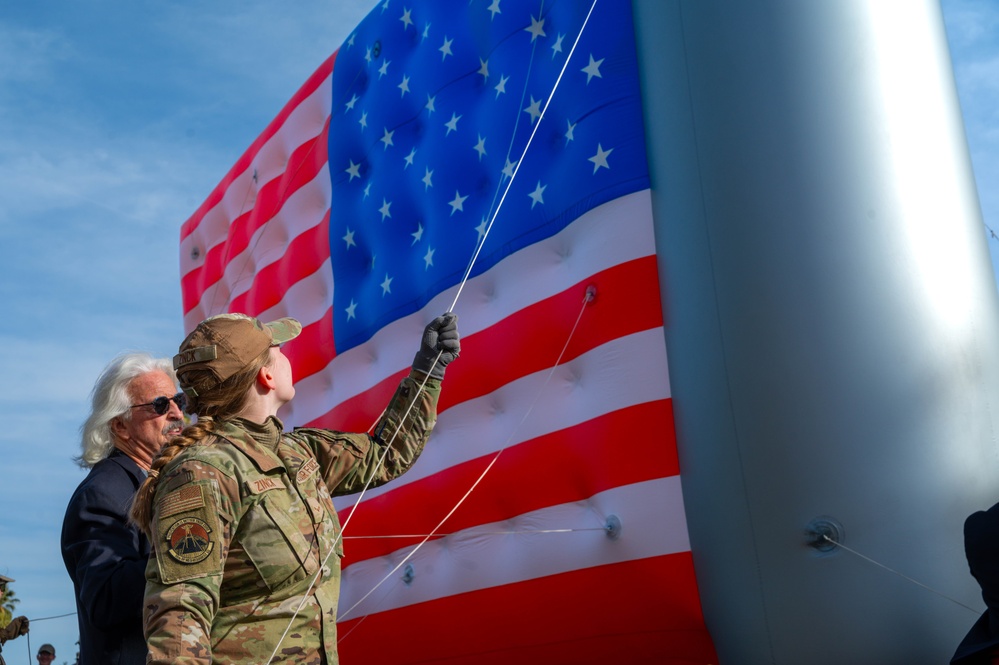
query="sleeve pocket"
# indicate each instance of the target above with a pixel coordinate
(187, 534)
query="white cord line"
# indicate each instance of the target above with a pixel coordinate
(586, 300)
(461, 286)
(476, 533)
(478, 249)
(465, 278)
(475, 254)
(516, 169)
(499, 207)
(371, 476)
(513, 135)
(381, 458)
(58, 616)
(902, 575)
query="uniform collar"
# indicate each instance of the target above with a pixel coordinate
(264, 458)
(267, 434)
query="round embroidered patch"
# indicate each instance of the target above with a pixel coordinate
(189, 540)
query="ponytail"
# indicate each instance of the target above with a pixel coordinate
(142, 504)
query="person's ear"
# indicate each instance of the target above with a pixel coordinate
(118, 428)
(265, 378)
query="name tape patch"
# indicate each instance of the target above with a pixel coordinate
(307, 470)
(258, 485)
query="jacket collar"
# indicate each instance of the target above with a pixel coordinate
(128, 464)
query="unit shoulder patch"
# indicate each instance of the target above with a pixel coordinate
(189, 540)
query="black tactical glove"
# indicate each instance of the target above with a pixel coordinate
(439, 337)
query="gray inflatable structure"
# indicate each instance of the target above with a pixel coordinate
(831, 321)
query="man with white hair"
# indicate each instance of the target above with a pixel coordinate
(136, 409)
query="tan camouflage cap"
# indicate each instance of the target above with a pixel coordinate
(225, 344)
(47, 648)
(5, 580)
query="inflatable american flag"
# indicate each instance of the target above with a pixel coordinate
(358, 211)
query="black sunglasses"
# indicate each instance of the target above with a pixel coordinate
(162, 404)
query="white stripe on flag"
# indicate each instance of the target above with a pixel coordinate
(651, 512)
(304, 123)
(307, 300)
(624, 372)
(611, 234)
(301, 211)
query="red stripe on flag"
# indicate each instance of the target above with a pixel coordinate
(303, 256)
(318, 77)
(357, 413)
(638, 612)
(526, 342)
(565, 466)
(304, 164)
(530, 340)
(314, 346)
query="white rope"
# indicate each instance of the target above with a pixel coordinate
(475, 533)
(58, 616)
(344, 636)
(586, 300)
(902, 575)
(520, 161)
(419, 392)
(371, 476)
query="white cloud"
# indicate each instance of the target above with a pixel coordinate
(129, 180)
(970, 23)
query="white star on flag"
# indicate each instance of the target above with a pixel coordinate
(445, 48)
(537, 196)
(593, 68)
(458, 202)
(600, 159)
(537, 28)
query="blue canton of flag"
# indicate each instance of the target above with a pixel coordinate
(434, 104)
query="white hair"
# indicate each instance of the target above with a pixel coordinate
(110, 399)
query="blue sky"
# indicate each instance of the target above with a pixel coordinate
(116, 120)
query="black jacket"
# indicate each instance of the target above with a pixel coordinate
(981, 545)
(106, 558)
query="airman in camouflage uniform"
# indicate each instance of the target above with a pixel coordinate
(244, 529)
(18, 626)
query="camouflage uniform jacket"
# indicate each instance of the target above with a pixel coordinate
(240, 530)
(9, 632)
